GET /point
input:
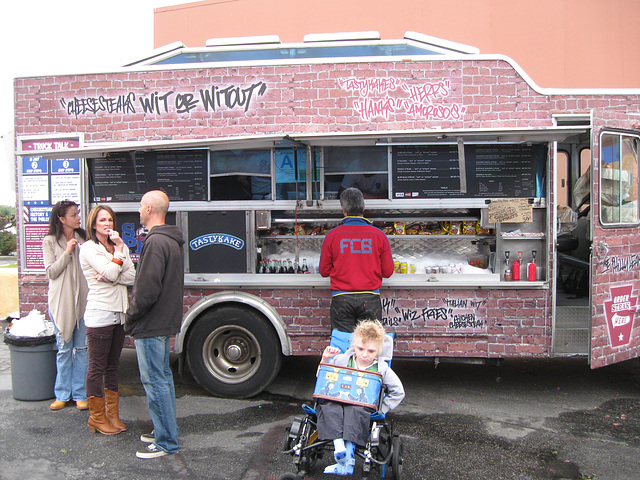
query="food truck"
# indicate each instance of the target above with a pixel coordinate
(511, 209)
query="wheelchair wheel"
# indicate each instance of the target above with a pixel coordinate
(294, 434)
(289, 476)
(396, 458)
(309, 457)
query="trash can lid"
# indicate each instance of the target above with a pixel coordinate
(10, 339)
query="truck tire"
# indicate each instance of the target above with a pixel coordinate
(233, 351)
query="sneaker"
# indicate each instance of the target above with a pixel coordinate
(148, 437)
(150, 451)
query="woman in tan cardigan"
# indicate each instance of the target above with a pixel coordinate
(67, 302)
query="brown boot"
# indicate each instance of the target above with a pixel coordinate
(97, 418)
(111, 399)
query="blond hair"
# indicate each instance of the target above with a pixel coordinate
(370, 331)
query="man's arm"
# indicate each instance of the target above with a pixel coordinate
(326, 258)
(148, 286)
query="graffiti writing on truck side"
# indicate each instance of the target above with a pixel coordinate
(617, 264)
(379, 97)
(211, 99)
(460, 313)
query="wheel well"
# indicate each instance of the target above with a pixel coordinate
(232, 350)
(217, 306)
(240, 299)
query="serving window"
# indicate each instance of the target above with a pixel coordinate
(365, 168)
(241, 175)
(619, 179)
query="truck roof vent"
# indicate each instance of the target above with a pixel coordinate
(341, 37)
(569, 120)
(439, 42)
(231, 41)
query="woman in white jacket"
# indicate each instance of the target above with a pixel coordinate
(108, 268)
(67, 301)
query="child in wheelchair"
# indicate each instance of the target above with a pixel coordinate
(345, 418)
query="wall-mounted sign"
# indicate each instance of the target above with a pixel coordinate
(620, 311)
(510, 210)
(43, 183)
(491, 171)
(125, 177)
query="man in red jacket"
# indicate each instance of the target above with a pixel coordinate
(356, 256)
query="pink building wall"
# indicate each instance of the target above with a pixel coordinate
(560, 44)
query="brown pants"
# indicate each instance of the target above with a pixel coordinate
(105, 345)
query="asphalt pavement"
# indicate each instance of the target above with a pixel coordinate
(544, 419)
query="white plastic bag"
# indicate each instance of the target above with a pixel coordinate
(33, 325)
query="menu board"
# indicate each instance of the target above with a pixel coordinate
(125, 177)
(421, 172)
(503, 170)
(492, 171)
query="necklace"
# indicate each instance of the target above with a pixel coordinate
(108, 247)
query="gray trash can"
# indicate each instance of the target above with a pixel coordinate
(33, 366)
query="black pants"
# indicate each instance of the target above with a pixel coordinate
(349, 308)
(341, 420)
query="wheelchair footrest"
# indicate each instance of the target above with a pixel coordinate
(308, 410)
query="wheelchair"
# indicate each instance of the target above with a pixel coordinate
(383, 450)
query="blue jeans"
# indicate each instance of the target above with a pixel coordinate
(71, 364)
(157, 380)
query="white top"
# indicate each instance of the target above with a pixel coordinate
(109, 294)
(102, 318)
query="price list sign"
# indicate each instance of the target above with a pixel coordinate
(421, 172)
(125, 177)
(490, 171)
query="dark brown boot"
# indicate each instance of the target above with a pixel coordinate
(97, 418)
(111, 400)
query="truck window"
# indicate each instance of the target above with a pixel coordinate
(240, 175)
(291, 173)
(365, 168)
(618, 179)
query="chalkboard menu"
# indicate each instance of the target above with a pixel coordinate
(426, 172)
(504, 170)
(125, 177)
(492, 171)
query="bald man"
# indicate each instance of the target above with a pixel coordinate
(154, 314)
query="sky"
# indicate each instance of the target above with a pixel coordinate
(41, 37)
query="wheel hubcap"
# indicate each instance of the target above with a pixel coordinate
(231, 354)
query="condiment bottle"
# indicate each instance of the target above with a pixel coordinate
(532, 273)
(507, 275)
(516, 266)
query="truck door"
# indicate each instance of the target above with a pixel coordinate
(572, 327)
(615, 333)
